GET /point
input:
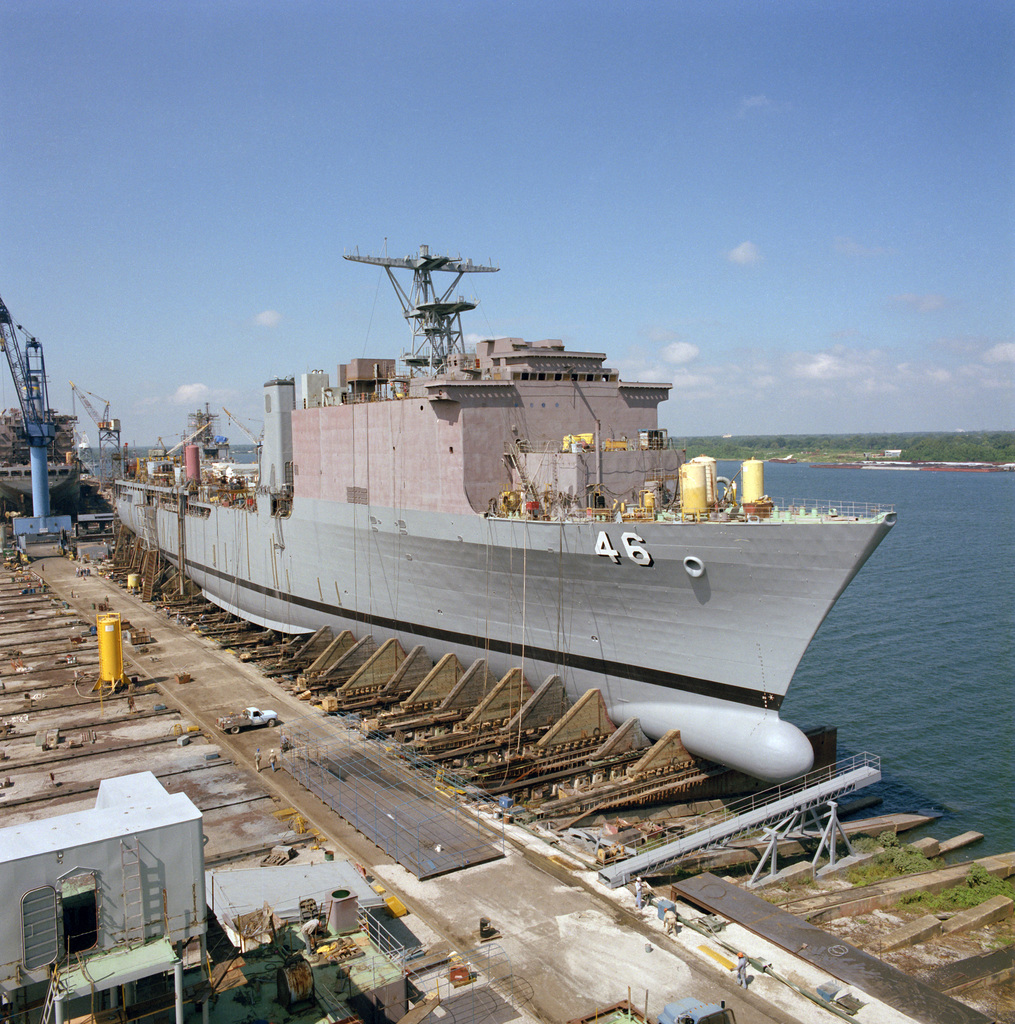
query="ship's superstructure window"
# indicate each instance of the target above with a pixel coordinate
(39, 940)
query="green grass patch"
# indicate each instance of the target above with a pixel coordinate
(864, 843)
(977, 887)
(893, 860)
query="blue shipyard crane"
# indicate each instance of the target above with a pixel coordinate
(28, 368)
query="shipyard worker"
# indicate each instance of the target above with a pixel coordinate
(742, 970)
(307, 931)
(273, 760)
(639, 891)
(670, 921)
(257, 760)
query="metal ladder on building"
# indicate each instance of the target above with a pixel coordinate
(133, 894)
(753, 814)
(51, 993)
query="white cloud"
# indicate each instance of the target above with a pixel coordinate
(826, 366)
(753, 104)
(920, 303)
(1003, 353)
(269, 318)
(660, 335)
(744, 254)
(850, 247)
(679, 352)
(685, 381)
(188, 394)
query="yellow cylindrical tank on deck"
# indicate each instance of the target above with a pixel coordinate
(649, 501)
(110, 647)
(133, 581)
(753, 471)
(710, 485)
(693, 488)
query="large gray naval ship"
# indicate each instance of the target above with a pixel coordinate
(518, 502)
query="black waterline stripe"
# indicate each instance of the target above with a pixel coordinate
(637, 673)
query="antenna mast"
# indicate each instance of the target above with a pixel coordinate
(435, 317)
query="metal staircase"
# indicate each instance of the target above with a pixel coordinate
(752, 814)
(149, 573)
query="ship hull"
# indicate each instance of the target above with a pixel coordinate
(64, 486)
(709, 652)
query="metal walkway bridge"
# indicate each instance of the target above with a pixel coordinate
(787, 801)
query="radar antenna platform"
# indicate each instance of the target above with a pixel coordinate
(435, 316)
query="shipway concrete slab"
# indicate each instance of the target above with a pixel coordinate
(995, 966)
(841, 960)
(398, 810)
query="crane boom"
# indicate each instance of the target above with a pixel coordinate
(179, 444)
(109, 434)
(246, 430)
(99, 420)
(28, 369)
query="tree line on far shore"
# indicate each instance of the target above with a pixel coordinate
(985, 446)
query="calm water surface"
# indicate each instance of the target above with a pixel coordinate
(915, 661)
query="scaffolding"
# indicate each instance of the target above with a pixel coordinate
(473, 986)
(400, 803)
(470, 986)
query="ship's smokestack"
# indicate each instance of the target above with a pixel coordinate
(276, 468)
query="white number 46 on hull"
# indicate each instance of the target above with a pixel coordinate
(632, 544)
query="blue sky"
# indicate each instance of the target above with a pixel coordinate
(801, 214)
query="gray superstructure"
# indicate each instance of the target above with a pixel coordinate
(520, 503)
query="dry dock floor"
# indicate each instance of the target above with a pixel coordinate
(573, 945)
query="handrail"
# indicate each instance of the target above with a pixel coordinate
(751, 813)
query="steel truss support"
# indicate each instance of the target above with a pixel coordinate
(797, 822)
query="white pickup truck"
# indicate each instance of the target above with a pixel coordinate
(248, 718)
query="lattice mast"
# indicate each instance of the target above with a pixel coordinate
(435, 317)
(28, 369)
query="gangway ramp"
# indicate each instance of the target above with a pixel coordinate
(753, 813)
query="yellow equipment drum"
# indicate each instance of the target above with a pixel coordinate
(754, 480)
(693, 488)
(110, 647)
